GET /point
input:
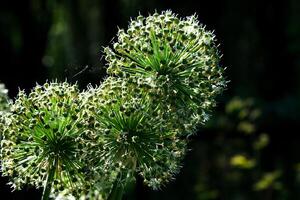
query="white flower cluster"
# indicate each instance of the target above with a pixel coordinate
(137, 135)
(43, 140)
(177, 56)
(164, 77)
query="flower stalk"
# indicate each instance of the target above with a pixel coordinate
(49, 181)
(117, 189)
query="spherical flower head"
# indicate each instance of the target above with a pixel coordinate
(178, 55)
(135, 136)
(42, 138)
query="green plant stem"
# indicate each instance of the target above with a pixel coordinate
(49, 182)
(117, 190)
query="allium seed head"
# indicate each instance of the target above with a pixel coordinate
(177, 55)
(41, 135)
(133, 134)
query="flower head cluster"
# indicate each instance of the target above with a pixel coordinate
(176, 55)
(165, 75)
(134, 134)
(42, 138)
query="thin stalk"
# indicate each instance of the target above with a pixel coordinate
(117, 190)
(49, 182)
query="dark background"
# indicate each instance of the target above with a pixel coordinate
(260, 40)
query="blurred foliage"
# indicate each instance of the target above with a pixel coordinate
(240, 161)
(268, 180)
(238, 127)
(231, 159)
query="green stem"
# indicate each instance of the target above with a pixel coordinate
(117, 190)
(49, 182)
